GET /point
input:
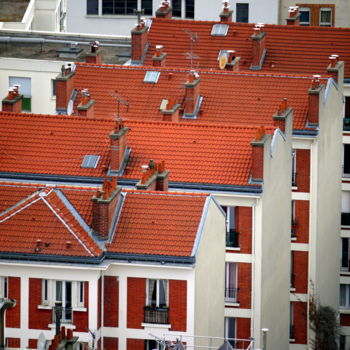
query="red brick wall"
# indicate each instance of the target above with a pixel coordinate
(191, 96)
(258, 49)
(302, 221)
(300, 266)
(81, 318)
(135, 344)
(99, 304)
(300, 327)
(64, 90)
(178, 305)
(13, 315)
(244, 285)
(303, 170)
(257, 163)
(243, 331)
(117, 150)
(313, 113)
(110, 343)
(244, 228)
(138, 44)
(33, 343)
(345, 320)
(13, 342)
(38, 319)
(136, 301)
(12, 107)
(94, 59)
(111, 301)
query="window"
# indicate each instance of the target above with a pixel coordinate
(219, 30)
(230, 330)
(146, 5)
(25, 90)
(291, 321)
(231, 282)
(346, 162)
(176, 5)
(92, 7)
(242, 13)
(45, 292)
(342, 342)
(292, 285)
(152, 345)
(344, 261)
(151, 77)
(293, 221)
(304, 16)
(325, 17)
(346, 126)
(118, 7)
(157, 293)
(188, 8)
(3, 287)
(345, 208)
(294, 167)
(345, 295)
(90, 161)
(232, 236)
(53, 87)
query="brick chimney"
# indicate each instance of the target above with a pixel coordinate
(154, 177)
(294, 16)
(86, 106)
(336, 68)
(13, 101)
(226, 13)
(314, 100)
(192, 94)
(139, 43)
(165, 10)
(280, 117)
(104, 205)
(258, 155)
(95, 56)
(118, 148)
(171, 111)
(259, 50)
(232, 61)
(64, 88)
(159, 57)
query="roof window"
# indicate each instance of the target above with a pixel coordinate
(90, 161)
(219, 30)
(151, 77)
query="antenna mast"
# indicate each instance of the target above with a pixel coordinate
(194, 37)
(119, 101)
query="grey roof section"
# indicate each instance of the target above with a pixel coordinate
(13, 11)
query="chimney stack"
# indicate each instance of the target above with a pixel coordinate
(171, 111)
(232, 61)
(258, 155)
(336, 68)
(280, 117)
(192, 95)
(314, 100)
(13, 101)
(118, 150)
(226, 13)
(139, 43)
(154, 177)
(64, 87)
(86, 106)
(104, 205)
(159, 57)
(259, 49)
(95, 56)
(294, 16)
(165, 10)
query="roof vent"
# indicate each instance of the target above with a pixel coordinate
(90, 161)
(151, 77)
(219, 30)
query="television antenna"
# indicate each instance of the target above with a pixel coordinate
(194, 37)
(119, 101)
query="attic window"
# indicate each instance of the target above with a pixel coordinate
(219, 30)
(90, 161)
(151, 77)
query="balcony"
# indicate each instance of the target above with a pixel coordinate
(346, 124)
(345, 219)
(66, 315)
(157, 315)
(231, 295)
(232, 239)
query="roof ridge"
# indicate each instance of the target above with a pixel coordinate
(166, 193)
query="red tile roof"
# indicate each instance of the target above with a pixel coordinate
(290, 49)
(229, 98)
(45, 216)
(158, 223)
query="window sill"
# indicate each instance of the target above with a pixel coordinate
(293, 239)
(232, 303)
(66, 325)
(344, 310)
(47, 307)
(156, 325)
(233, 249)
(112, 16)
(292, 340)
(292, 289)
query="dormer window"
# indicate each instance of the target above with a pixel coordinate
(151, 77)
(90, 161)
(219, 30)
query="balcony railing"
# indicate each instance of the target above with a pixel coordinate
(66, 316)
(345, 219)
(232, 239)
(231, 295)
(159, 315)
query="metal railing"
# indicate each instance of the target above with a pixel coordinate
(231, 295)
(159, 315)
(232, 239)
(66, 316)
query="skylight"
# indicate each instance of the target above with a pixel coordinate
(90, 161)
(219, 30)
(151, 77)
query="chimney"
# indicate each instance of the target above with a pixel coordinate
(154, 177)
(95, 56)
(104, 205)
(232, 61)
(171, 111)
(165, 10)
(314, 100)
(280, 117)
(64, 88)
(13, 101)
(226, 14)
(336, 68)
(86, 106)
(294, 16)
(192, 96)
(257, 174)
(259, 50)
(118, 148)
(139, 44)
(159, 57)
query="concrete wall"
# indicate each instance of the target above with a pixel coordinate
(47, 15)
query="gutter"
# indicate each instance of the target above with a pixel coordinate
(310, 133)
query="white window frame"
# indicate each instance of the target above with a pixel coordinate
(4, 287)
(229, 283)
(329, 10)
(148, 297)
(227, 329)
(346, 289)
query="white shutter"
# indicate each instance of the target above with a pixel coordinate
(25, 85)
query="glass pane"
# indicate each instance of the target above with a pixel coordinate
(189, 9)
(176, 4)
(146, 5)
(107, 7)
(162, 293)
(242, 13)
(26, 104)
(92, 7)
(81, 292)
(230, 329)
(305, 16)
(326, 16)
(131, 5)
(152, 293)
(58, 290)
(232, 218)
